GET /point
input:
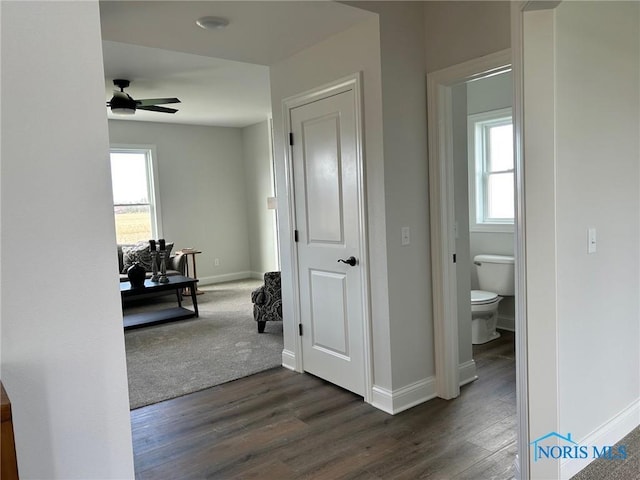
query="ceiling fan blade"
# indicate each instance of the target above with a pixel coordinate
(154, 108)
(156, 101)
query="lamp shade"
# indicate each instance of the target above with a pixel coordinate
(122, 104)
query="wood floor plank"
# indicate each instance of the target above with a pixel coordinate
(283, 425)
(497, 466)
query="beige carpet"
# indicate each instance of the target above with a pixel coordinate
(623, 469)
(172, 359)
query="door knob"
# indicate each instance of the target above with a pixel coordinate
(349, 261)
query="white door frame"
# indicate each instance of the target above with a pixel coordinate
(351, 82)
(439, 98)
(443, 244)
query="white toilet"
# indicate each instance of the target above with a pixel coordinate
(495, 278)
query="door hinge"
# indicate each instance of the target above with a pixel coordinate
(454, 258)
(290, 138)
(295, 235)
(300, 328)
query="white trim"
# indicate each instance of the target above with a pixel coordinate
(274, 191)
(523, 459)
(467, 372)
(476, 157)
(439, 85)
(350, 82)
(154, 180)
(516, 468)
(403, 398)
(289, 360)
(609, 433)
(442, 224)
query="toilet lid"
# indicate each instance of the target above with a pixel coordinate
(481, 297)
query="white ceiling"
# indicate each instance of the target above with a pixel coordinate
(220, 76)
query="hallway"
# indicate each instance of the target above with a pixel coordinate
(281, 425)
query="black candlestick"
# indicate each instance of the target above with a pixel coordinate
(152, 245)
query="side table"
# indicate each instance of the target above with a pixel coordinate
(191, 252)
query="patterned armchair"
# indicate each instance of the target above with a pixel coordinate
(267, 301)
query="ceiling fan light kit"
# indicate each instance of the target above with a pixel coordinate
(122, 104)
(212, 23)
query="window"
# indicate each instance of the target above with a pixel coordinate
(491, 180)
(135, 201)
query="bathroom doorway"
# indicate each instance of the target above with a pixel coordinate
(472, 211)
(484, 200)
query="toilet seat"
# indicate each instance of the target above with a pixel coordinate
(481, 297)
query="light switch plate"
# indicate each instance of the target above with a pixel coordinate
(406, 236)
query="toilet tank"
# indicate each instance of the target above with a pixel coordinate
(496, 273)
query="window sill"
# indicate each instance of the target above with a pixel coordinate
(492, 228)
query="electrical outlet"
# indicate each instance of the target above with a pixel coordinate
(216, 262)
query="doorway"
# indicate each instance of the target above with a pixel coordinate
(450, 212)
(329, 252)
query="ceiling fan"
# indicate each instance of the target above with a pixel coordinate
(122, 104)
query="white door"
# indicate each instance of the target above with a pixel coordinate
(325, 171)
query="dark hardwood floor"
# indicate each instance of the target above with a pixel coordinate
(282, 425)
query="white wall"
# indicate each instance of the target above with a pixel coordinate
(582, 163)
(63, 361)
(202, 190)
(598, 180)
(259, 185)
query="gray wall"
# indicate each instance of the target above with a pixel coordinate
(259, 181)
(464, 30)
(206, 197)
(402, 34)
(461, 192)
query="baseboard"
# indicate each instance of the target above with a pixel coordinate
(607, 434)
(516, 468)
(228, 277)
(404, 398)
(257, 275)
(289, 360)
(467, 372)
(506, 322)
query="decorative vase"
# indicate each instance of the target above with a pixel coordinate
(136, 274)
(154, 266)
